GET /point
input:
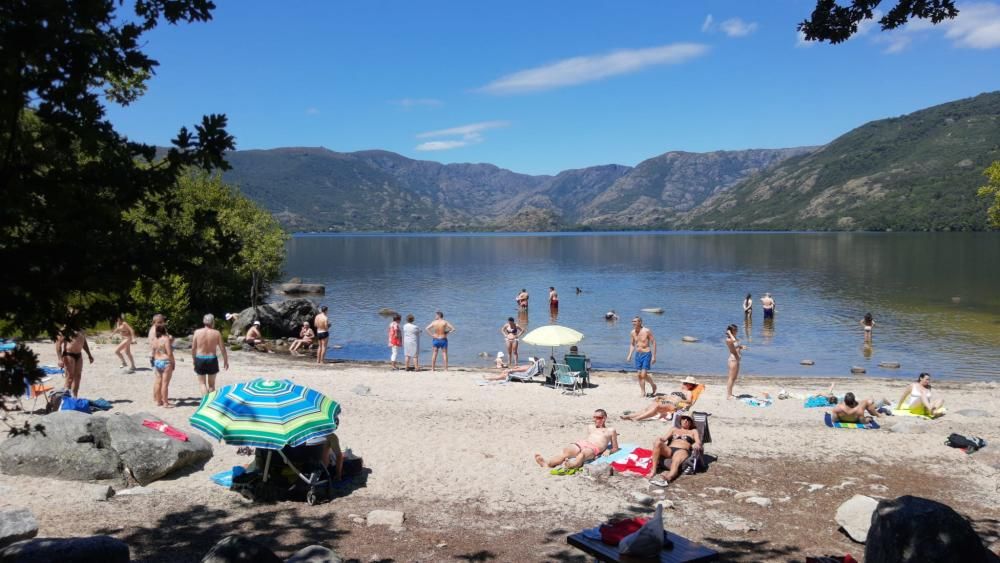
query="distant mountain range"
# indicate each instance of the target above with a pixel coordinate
(915, 172)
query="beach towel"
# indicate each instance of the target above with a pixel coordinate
(225, 478)
(52, 370)
(166, 429)
(624, 450)
(908, 412)
(816, 401)
(755, 402)
(100, 404)
(636, 463)
(7, 346)
(873, 425)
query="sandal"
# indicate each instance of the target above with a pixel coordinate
(659, 482)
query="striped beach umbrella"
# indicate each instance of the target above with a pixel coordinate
(267, 414)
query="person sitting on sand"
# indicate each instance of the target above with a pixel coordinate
(676, 446)
(918, 400)
(666, 405)
(852, 410)
(599, 439)
(305, 338)
(254, 337)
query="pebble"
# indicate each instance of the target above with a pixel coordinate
(100, 493)
(392, 518)
(135, 491)
(737, 525)
(866, 459)
(718, 490)
(746, 494)
(808, 362)
(815, 487)
(879, 488)
(759, 501)
(643, 498)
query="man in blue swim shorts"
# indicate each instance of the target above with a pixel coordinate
(438, 331)
(643, 345)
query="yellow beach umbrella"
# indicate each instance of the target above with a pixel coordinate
(552, 336)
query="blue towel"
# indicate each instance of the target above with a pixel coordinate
(51, 370)
(816, 401)
(621, 455)
(755, 402)
(7, 346)
(225, 478)
(100, 404)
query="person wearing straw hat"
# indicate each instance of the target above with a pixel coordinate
(675, 446)
(643, 345)
(665, 406)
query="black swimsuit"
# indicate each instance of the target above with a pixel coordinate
(688, 439)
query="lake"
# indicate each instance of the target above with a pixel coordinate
(934, 296)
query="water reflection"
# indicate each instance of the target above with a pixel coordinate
(825, 282)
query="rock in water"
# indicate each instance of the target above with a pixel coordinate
(283, 318)
(299, 288)
(855, 516)
(68, 550)
(17, 525)
(913, 529)
(889, 365)
(857, 369)
(688, 339)
(654, 310)
(236, 549)
(150, 454)
(808, 362)
(386, 312)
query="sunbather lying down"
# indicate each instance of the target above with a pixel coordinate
(598, 441)
(852, 410)
(666, 405)
(505, 374)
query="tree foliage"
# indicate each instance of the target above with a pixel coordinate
(992, 190)
(835, 23)
(66, 175)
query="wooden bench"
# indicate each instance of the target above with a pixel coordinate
(682, 550)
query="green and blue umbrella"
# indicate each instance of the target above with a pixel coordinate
(267, 414)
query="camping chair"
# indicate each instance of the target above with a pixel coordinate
(685, 406)
(570, 380)
(580, 364)
(537, 368)
(696, 462)
(35, 391)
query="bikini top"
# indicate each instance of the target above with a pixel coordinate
(689, 439)
(507, 329)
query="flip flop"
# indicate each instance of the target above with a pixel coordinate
(659, 482)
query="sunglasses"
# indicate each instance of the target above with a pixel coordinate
(598, 417)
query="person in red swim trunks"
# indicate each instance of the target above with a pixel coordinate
(600, 439)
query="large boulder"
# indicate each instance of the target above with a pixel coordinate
(150, 454)
(236, 549)
(71, 446)
(67, 550)
(913, 529)
(282, 318)
(855, 516)
(17, 525)
(74, 446)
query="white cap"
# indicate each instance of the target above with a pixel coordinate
(499, 354)
(256, 323)
(231, 316)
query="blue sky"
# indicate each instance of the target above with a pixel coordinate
(539, 87)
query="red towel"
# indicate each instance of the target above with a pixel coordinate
(166, 429)
(637, 463)
(613, 533)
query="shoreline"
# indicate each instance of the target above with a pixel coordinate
(457, 458)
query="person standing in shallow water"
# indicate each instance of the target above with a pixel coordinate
(522, 300)
(767, 303)
(747, 307)
(868, 323)
(643, 345)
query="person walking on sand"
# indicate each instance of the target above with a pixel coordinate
(204, 344)
(735, 355)
(600, 438)
(522, 300)
(439, 329)
(511, 331)
(868, 323)
(322, 324)
(70, 346)
(395, 340)
(163, 366)
(411, 344)
(747, 307)
(128, 339)
(767, 303)
(643, 345)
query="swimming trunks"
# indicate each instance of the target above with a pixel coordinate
(643, 360)
(206, 365)
(74, 355)
(440, 343)
(769, 313)
(161, 365)
(583, 444)
(322, 335)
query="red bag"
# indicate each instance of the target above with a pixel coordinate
(613, 532)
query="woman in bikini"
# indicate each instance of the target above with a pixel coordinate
(735, 355)
(128, 339)
(868, 323)
(665, 406)
(918, 399)
(675, 446)
(163, 366)
(511, 331)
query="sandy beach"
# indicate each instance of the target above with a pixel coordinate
(456, 458)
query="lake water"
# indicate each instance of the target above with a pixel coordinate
(935, 297)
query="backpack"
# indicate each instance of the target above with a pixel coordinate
(968, 444)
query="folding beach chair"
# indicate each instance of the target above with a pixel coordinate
(35, 391)
(569, 380)
(580, 364)
(696, 462)
(537, 368)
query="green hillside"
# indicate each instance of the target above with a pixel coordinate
(915, 172)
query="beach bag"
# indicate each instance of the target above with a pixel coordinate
(647, 541)
(70, 403)
(968, 444)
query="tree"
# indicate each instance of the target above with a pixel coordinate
(992, 190)
(66, 176)
(835, 23)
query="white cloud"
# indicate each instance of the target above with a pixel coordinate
(706, 26)
(312, 111)
(440, 145)
(580, 70)
(976, 27)
(896, 43)
(409, 103)
(735, 27)
(470, 134)
(800, 41)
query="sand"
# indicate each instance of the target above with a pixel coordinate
(456, 457)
